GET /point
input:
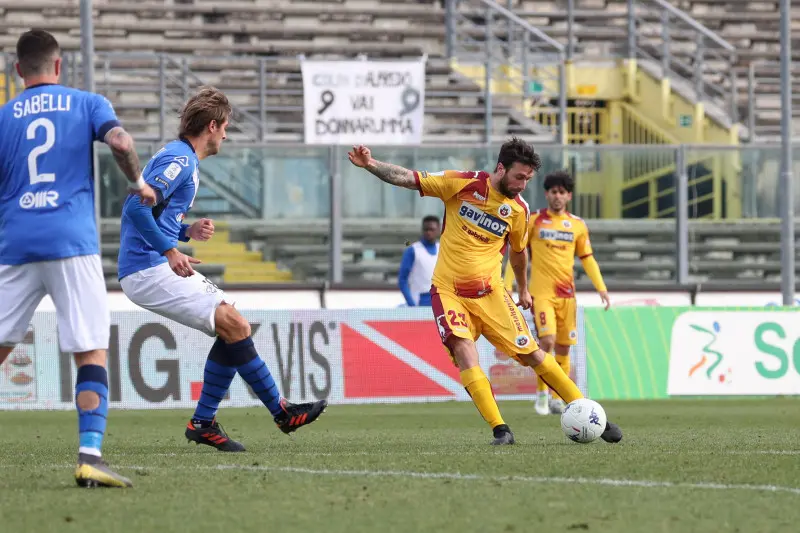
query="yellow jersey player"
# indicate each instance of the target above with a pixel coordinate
(484, 212)
(555, 238)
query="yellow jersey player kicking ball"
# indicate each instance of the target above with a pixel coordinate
(483, 212)
(555, 238)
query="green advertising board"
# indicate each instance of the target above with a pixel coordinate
(658, 352)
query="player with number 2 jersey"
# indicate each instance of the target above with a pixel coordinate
(48, 234)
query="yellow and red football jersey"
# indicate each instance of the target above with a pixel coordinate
(554, 241)
(478, 222)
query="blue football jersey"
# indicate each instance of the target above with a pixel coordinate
(46, 173)
(173, 171)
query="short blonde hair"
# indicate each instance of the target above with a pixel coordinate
(208, 104)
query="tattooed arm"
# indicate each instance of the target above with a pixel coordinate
(121, 144)
(387, 172)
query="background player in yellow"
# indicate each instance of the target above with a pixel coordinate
(555, 238)
(483, 213)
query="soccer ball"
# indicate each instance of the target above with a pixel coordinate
(583, 420)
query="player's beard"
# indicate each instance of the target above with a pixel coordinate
(502, 186)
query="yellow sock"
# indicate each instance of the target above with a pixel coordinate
(478, 387)
(551, 373)
(563, 362)
(541, 386)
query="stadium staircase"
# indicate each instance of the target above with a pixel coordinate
(241, 265)
(673, 70)
(673, 83)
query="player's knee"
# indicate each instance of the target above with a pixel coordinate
(547, 343)
(88, 400)
(230, 324)
(532, 359)
(562, 349)
(464, 352)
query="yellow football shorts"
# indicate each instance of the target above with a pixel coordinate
(556, 316)
(495, 316)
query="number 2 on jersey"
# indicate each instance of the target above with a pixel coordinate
(49, 142)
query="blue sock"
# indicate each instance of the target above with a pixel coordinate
(217, 379)
(254, 371)
(92, 424)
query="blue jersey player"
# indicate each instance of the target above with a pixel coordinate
(158, 277)
(48, 234)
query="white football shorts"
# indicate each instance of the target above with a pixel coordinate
(78, 290)
(189, 301)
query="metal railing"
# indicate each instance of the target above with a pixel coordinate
(760, 101)
(516, 63)
(312, 195)
(664, 40)
(684, 49)
(131, 77)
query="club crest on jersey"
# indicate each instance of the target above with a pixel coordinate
(504, 210)
(482, 220)
(522, 341)
(172, 171)
(183, 160)
(567, 224)
(555, 235)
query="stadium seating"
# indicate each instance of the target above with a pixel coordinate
(210, 33)
(334, 28)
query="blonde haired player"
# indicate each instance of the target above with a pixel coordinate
(555, 238)
(483, 213)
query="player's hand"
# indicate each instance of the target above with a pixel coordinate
(605, 298)
(180, 263)
(146, 195)
(525, 300)
(360, 156)
(202, 230)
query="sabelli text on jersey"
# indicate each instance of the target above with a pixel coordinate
(42, 103)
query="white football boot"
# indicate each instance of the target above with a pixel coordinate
(541, 405)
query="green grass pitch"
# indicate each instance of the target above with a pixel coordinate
(684, 466)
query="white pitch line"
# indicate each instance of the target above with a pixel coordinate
(520, 479)
(458, 476)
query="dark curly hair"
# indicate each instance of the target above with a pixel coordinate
(516, 150)
(559, 178)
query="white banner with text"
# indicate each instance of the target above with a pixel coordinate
(363, 102)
